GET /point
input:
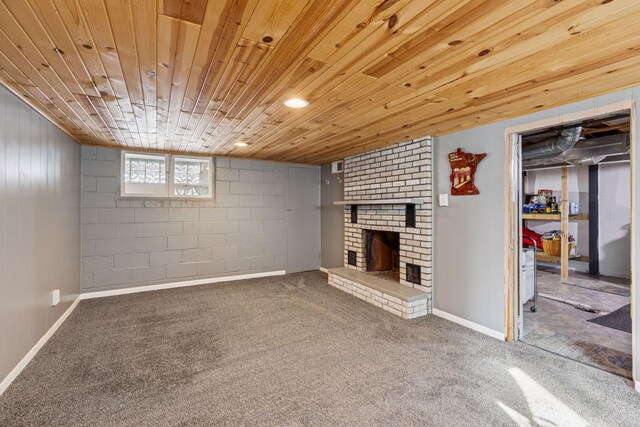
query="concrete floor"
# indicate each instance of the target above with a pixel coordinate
(292, 350)
(564, 330)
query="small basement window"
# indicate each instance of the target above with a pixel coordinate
(165, 176)
(191, 177)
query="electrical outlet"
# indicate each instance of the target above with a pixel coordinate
(54, 297)
(443, 199)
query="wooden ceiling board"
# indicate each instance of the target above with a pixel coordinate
(439, 108)
(220, 37)
(42, 93)
(45, 71)
(339, 72)
(108, 109)
(451, 78)
(262, 82)
(340, 110)
(196, 76)
(316, 88)
(35, 96)
(532, 100)
(98, 26)
(144, 15)
(289, 56)
(185, 10)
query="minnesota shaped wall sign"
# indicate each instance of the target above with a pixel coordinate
(463, 169)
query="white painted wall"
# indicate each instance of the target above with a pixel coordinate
(615, 219)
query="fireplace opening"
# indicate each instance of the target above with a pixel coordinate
(383, 253)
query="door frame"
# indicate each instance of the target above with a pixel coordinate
(513, 212)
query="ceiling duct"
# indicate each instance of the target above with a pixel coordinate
(582, 152)
(552, 147)
(598, 147)
(588, 161)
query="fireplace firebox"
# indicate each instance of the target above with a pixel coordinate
(383, 253)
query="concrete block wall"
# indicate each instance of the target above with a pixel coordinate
(400, 171)
(135, 242)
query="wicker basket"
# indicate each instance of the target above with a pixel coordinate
(552, 247)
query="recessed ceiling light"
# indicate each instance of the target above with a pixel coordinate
(296, 103)
(240, 144)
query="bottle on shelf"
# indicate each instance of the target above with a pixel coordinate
(547, 208)
(554, 206)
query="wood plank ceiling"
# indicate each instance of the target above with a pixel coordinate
(196, 76)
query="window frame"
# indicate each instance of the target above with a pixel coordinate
(169, 177)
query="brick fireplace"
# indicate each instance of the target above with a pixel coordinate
(388, 228)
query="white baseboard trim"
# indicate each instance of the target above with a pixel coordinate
(36, 348)
(638, 386)
(125, 291)
(469, 324)
(324, 270)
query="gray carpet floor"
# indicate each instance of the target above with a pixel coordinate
(292, 350)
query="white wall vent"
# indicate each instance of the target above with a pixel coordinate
(336, 167)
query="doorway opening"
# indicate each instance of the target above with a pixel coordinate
(573, 230)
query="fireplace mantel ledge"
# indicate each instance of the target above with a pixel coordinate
(381, 202)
